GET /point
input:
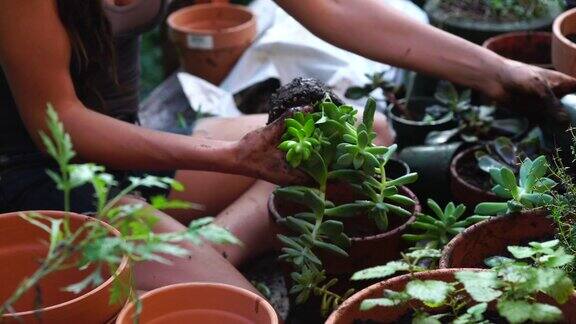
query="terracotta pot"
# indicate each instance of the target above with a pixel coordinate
(491, 238)
(206, 303)
(462, 189)
(21, 246)
(478, 31)
(528, 47)
(211, 38)
(350, 311)
(564, 50)
(411, 132)
(365, 251)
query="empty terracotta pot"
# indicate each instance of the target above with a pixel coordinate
(22, 245)
(463, 190)
(491, 238)
(563, 48)
(349, 312)
(528, 47)
(206, 303)
(211, 38)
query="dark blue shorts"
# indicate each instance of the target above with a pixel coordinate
(24, 185)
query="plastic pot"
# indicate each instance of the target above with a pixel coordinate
(349, 312)
(396, 168)
(563, 49)
(22, 244)
(491, 237)
(432, 163)
(463, 190)
(528, 47)
(206, 303)
(478, 31)
(211, 38)
(411, 132)
(365, 251)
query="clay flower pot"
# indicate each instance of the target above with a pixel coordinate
(463, 190)
(491, 238)
(412, 132)
(528, 47)
(349, 311)
(563, 49)
(21, 246)
(477, 31)
(365, 251)
(206, 303)
(211, 38)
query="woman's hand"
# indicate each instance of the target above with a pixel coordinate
(530, 90)
(257, 154)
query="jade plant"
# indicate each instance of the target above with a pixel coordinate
(329, 146)
(92, 241)
(511, 285)
(531, 189)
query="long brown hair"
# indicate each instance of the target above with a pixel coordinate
(91, 39)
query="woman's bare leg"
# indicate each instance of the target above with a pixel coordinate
(202, 264)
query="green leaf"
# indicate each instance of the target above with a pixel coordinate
(382, 271)
(482, 286)
(368, 304)
(369, 111)
(491, 209)
(561, 290)
(521, 252)
(515, 311)
(218, 235)
(432, 293)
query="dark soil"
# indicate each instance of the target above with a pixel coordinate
(571, 37)
(437, 112)
(480, 10)
(300, 92)
(471, 173)
(254, 100)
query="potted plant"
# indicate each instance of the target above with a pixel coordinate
(475, 123)
(525, 46)
(354, 215)
(411, 119)
(477, 21)
(513, 290)
(70, 267)
(471, 182)
(521, 217)
(201, 303)
(211, 37)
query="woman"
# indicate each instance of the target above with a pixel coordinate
(82, 56)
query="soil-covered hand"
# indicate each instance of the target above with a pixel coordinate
(259, 156)
(532, 91)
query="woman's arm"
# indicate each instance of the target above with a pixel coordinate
(378, 31)
(35, 55)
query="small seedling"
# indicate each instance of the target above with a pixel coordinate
(442, 225)
(531, 190)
